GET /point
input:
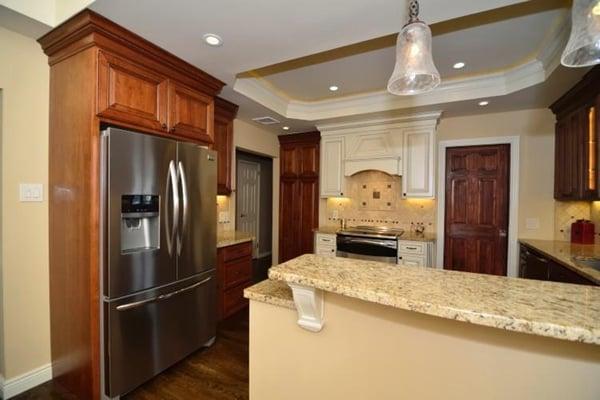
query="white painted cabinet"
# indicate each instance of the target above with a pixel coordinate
(418, 173)
(415, 254)
(332, 164)
(325, 244)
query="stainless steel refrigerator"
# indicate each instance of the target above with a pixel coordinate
(158, 236)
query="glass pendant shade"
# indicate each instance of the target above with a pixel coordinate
(415, 71)
(583, 48)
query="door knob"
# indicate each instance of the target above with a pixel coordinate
(502, 233)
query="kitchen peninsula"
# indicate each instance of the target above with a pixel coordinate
(373, 329)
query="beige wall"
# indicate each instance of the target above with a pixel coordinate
(536, 175)
(24, 80)
(259, 141)
(369, 351)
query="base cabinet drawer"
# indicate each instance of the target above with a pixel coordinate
(325, 244)
(412, 261)
(234, 272)
(406, 247)
(233, 299)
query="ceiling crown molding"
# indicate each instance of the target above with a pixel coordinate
(530, 73)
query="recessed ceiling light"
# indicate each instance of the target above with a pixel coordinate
(484, 103)
(213, 40)
(333, 88)
(286, 128)
(459, 65)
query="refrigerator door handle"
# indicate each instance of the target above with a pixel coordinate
(185, 289)
(185, 198)
(136, 304)
(171, 188)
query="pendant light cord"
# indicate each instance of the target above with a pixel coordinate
(413, 11)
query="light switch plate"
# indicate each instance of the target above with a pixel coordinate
(532, 223)
(29, 192)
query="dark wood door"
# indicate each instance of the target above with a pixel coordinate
(476, 221)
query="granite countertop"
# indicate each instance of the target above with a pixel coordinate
(557, 310)
(563, 252)
(418, 237)
(229, 238)
(425, 237)
(328, 230)
(271, 292)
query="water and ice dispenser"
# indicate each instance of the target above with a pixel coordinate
(140, 223)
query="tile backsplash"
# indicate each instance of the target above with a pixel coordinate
(373, 198)
(567, 212)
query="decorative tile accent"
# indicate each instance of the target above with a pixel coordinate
(374, 199)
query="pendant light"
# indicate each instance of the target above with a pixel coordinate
(414, 72)
(583, 49)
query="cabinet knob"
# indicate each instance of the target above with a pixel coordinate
(164, 126)
(332, 250)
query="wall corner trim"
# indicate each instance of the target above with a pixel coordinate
(22, 383)
(309, 304)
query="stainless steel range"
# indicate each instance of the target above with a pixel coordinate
(374, 243)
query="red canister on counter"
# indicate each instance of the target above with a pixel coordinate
(582, 231)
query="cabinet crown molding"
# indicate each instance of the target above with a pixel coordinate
(88, 29)
(429, 120)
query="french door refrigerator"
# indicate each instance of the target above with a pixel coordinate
(158, 220)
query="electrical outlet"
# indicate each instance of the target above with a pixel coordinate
(223, 216)
(335, 214)
(31, 192)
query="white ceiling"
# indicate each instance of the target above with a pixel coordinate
(262, 33)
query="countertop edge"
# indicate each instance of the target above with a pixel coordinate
(273, 292)
(545, 329)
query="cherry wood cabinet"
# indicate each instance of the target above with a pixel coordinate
(299, 194)
(234, 274)
(225, 113)
(102, 74)
(576, 142)
(191, 113)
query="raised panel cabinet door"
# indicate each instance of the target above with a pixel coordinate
(289, 155)
(191, 113)
(224, 148)
(309, 160)
(289, 220)
(417, 178)
(130, 93)
(309, 214)
(332, 165)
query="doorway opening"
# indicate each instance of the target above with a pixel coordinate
(254, 207)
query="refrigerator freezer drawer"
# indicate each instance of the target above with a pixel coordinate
(148, 332)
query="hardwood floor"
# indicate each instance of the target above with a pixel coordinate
(219, 372)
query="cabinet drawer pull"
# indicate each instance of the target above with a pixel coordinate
(411, 248)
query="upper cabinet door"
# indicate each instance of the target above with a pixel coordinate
(332, 162)
(417, 180)
(224, 147)
(130, 93)
(191, 113)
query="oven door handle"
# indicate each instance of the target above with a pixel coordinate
(374, 242)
